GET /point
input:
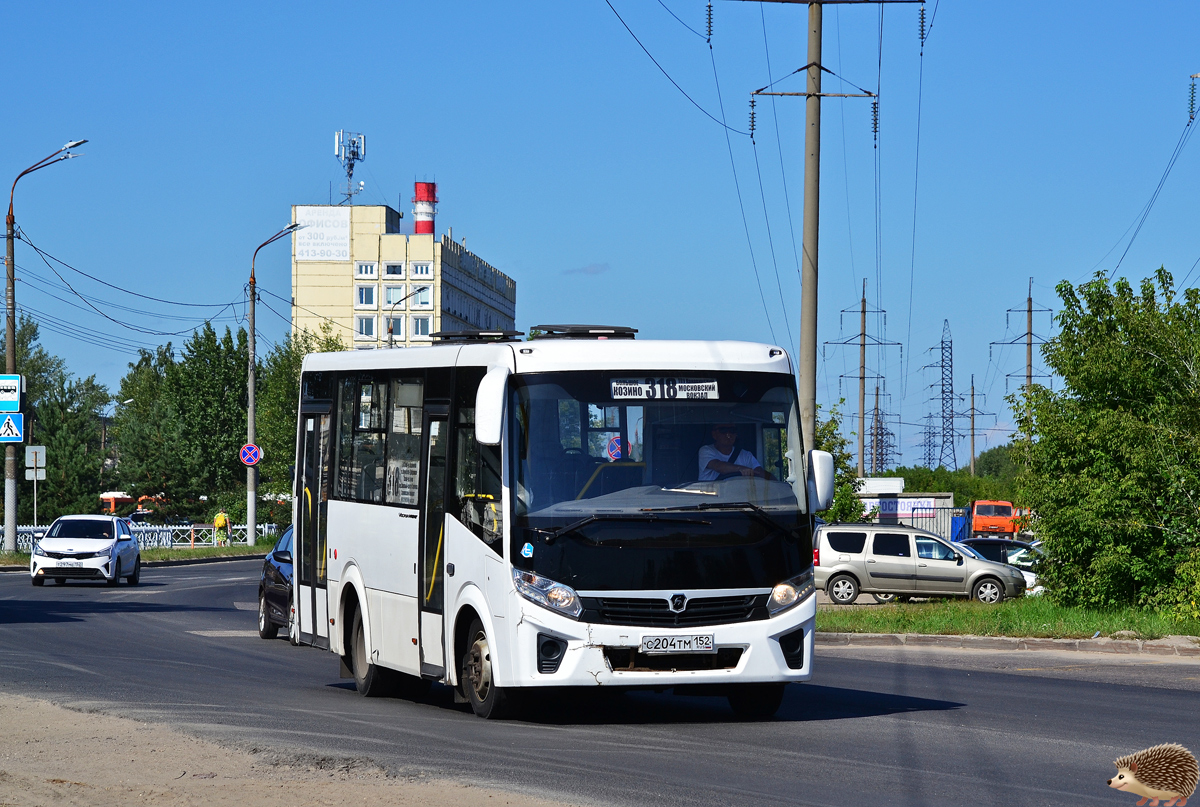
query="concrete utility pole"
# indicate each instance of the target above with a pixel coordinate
(811, 232)
(252, 470)
(972, 424)
(1029, 340)
(862, 379)
(10, 340)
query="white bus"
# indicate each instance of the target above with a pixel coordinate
(500, 515)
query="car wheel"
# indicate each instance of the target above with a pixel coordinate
(884, 599)
(293, 632)
(136, 577)
(116, 578)
(369, 679)
(988, 590)
(487, 700)
(266, 628)
(756, 701)
(843, 589)
(39, 581)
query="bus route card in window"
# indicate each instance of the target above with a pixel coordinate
(664, 387)
(695, 643)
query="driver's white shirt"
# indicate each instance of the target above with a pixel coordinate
(709, 453)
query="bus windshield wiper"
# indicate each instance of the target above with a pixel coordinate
(746, 507)
(552, 534)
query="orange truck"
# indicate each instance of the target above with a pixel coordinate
(993, 518)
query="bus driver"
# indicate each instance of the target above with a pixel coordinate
(720, 459)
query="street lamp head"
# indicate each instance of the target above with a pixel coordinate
(74, 144)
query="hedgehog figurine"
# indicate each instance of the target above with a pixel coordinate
(1166, 772)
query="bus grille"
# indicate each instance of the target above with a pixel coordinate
(652, 612)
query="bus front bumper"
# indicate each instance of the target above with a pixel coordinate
(778, 649)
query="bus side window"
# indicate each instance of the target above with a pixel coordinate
(362, 403)
(404, 441)
(477, 472)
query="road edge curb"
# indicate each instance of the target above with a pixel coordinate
(1167, 646)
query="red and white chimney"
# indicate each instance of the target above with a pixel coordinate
(424, 207)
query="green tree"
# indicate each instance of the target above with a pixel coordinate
(278, 396)
(846, 507)
(1113, 467)
(997, 463)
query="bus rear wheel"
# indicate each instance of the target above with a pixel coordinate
(756, 701)
(477, 679)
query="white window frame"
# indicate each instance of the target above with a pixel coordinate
(400, 306)
(421, 337)
(359, 336)
(393, 264)
(421, 270)
(360, 306)
(366, 269)
(414, 301)
(398, 334)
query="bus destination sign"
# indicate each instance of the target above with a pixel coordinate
(654, 388)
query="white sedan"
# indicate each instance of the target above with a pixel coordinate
(86, 548)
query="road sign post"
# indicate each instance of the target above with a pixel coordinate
(35, 469)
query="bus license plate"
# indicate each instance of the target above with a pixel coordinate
(71, 564)
(658, 645)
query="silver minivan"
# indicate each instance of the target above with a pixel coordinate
(891, 561)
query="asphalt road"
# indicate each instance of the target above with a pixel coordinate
(875, 726)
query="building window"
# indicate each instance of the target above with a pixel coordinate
(364, 328)
(364, 296)
(422, 297)
(393, 269)
(396, 323)
(420, 327)
(364, 270)
(422, 270)
(394, 295)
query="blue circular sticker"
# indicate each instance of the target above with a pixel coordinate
(527, 551)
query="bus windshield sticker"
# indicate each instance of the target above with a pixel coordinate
(527, 550)
(664, 387)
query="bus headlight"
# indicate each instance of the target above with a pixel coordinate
(790, 593)
(547, 593)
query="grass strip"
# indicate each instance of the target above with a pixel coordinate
(1023, 617)
(181, 553)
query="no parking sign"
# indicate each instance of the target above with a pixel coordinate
(250, 454)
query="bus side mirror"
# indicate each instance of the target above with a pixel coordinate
(489, 407)
(820, 480)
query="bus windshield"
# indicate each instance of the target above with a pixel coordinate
(634, 480)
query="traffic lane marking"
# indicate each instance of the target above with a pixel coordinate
(225, 634)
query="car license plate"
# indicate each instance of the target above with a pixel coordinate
(71, 564)
(697, 643)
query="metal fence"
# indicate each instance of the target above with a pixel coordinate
(946, 522)
(162, 536)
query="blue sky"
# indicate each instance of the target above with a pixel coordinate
(567, 160)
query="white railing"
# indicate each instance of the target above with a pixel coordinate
(169, 536)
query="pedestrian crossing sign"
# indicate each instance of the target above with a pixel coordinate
(12, 429)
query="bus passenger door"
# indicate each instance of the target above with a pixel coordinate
(309, 536)
(436, 433)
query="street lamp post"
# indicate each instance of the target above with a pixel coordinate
(251, 470)
(10, 341)
(392, 313)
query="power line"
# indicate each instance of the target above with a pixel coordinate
(771, 241)
(708, 114)
(263, 290)
(681, 22)
(779, 145)
(737, 185)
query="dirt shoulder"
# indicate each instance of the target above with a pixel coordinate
(50, 755)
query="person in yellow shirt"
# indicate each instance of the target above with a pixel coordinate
(221, 529)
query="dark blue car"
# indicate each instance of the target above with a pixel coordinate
(275, 590)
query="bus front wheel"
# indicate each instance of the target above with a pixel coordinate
(369, 679)
(487, 700)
